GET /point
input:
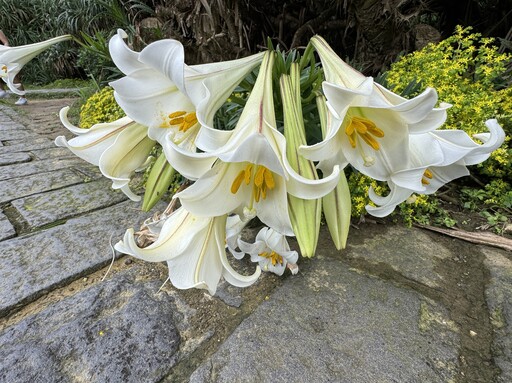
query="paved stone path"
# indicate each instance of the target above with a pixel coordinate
(398, 305)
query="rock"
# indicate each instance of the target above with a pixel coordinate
(35, 167)
(34, 264)
(6, 228)
(42, 209)
(14, 158)
(24, 146)
(119, 330)
(410, 252)
(330, 324)
(37, 183)
(498, 296)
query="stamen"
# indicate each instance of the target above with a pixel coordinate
(237, 182)
(259, 177)
(248, 172)
(427, 176)
(177, 121)
(269, 179)
(273, 256)
(177, 114)
(370, 141)
(365, 129)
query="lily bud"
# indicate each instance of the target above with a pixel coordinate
(305, 215)
(159, 180)
(337, 204)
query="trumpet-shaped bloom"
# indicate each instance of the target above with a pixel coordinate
(438, 157)
(271, 251)
(194, 249)
(118, 148)
(172, 98)
(252, 173)
(370, 126)
(12, 59)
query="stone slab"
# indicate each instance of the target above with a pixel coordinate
(51, 152)
(119, 330)
(34, 167)
(15, 134)
(10, 125)
(44, 260)
(6, 228)
(330, 324)
(499, 300)
(44, 208)
(34, 144)
(37, 183)
(14, 158)
(415, 259)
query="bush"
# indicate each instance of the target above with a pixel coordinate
(100, 107)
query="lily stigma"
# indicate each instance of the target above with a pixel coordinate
(262, 181)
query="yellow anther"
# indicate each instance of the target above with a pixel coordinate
(273, 256)
(177, 121)
(261, 178)
(183, 119)
(248, 172)
(370, 141)
(237, 182)
(258, 179)
(191, 117)
(427, 176)
(364, 128)
(177, 114)
(269, 179)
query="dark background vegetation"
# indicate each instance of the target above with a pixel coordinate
(370, 34)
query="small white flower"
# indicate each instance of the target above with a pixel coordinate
(271, 251)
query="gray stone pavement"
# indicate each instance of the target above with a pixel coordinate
(398, 305)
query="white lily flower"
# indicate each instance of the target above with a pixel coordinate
(172, 98)
(272, 252)
(437, 157)
(12, 59)
(194, 249)
(370, 126)
(252, 174)
(118, 148)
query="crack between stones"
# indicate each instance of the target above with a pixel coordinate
(66, 288)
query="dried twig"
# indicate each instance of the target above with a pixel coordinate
(481, 238)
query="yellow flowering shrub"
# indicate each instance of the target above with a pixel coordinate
(468, 72)
(100, 107)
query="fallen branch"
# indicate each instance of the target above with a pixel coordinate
(481, 238)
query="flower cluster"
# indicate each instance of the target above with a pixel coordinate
(265, 167)
(100, 107)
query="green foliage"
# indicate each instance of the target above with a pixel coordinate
(27, 22)
(100, 107)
